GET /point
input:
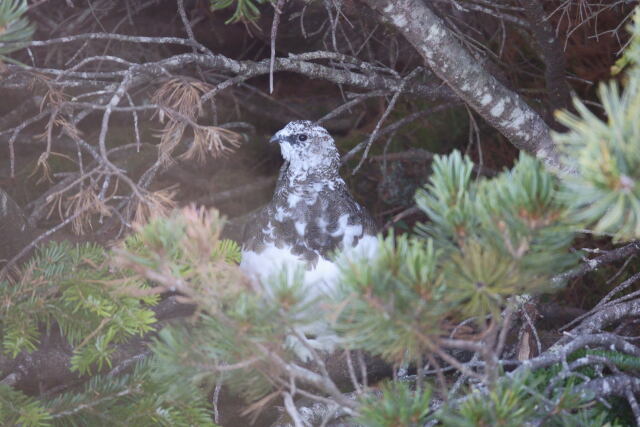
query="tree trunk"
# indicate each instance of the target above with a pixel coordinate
(450, 61)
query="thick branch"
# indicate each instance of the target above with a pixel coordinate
(367, 78)
(608, 316)
(559, 352)
(595, 263)
(442, 52)
(613, 385)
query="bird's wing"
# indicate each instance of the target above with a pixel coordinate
(253, 237)
(336, 222)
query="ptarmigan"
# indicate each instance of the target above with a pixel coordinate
(311, 219)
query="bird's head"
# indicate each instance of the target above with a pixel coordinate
(306, 145)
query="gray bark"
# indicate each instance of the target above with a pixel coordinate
(450, 61)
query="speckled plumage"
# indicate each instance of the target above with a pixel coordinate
(311, 215)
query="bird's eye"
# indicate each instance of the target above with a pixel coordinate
(302, 137)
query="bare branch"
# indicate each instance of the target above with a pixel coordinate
(595, 263)
(274, 33)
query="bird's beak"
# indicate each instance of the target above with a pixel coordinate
(274, 138)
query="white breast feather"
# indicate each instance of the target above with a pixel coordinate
(300, 226)
(320, 282)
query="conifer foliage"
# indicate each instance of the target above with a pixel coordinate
(74, 290)
(245, 10)
(14, 27)
(605, 194)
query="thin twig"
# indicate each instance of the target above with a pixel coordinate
(7, 267)
(274, 33)
(376, 130)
